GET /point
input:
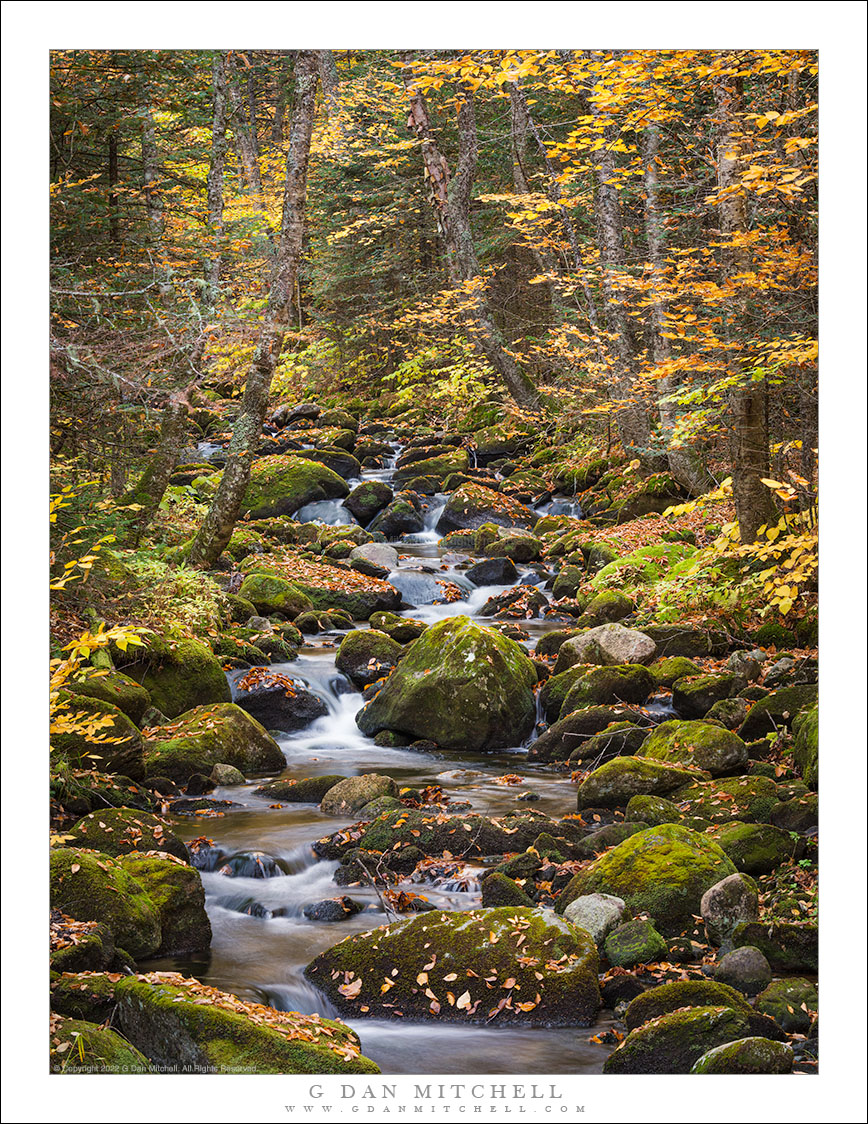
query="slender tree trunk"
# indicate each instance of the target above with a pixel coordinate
(152, 484)
(750, 440)
(451, 201)
(244, 139)
(281, 99)
(216, 530)
(150, 176)
(685, 464)
(114, 220)
(215, 180)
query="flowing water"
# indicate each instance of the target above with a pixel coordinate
(261, 939)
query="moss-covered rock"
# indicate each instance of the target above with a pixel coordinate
(605, 837)
(352, 794)
(473, 505)
(616, 781)
(701, 745)
(113, 687)
(662, 871)
(745, 968)
(602, 686)
(724, 905)
(790, 1003)
(606, 644)
(756, 848)
(465, 967)
(368, 499)
(644, 566)
(459, 685)
(367, 655)
(83, 1047)
(806, 745)
(184, 1026)
(694, 695)
(605, 608)
(777, 710)
(680, 994)
(308, 790)
(789, 946)
(652, 810)
(117, 831)
(456, 460)
(178, 674)
(671, 668)
(568, 738)
(339, 460)
(747, 798)
(686, 640)
(90, 949)
(636, 942)
(274, 595)
(176, 891)
(499, 890)
(747, 1055)
(89, 996)
(93, 718)
(91, 886)
(673, 1043)
(280, 485)
(801, 814)
(206, 735)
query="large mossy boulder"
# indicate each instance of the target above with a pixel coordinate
(210, 735)
(748, 798)
(662, 871)
(680, 994)
(184, 1026)
(91, 886)
(307, 790)
(615, 782)
(117, 831)
(177, 674)
(756, 848)
(280, 485)
(368, 500)
(339, 460)
(806, 745)
(702, 745)
(609, 644)
(113, 687)
(90, 719)
(78, 1046)
(789, 946)
(273, 595)
(603, 686)
(177, 893)
(673, 1043)
(520, 965)
(472, 505)
(777, 711)
(634, 942)
(366, 655)
(461, 686)
(747, 1056)
(671, 668)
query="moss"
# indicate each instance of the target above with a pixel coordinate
(644, 566)
(679, 994)
(83, 1047)
(702, 745)
(367, 655)
(627, 683)
(615, 782)
(616, 739)
(460, 685)
(368, 499)
(274, 595)
(777, 710)
(400, 629)
(673, 1043)
(555, 690)
(113, 687)
(636, 942)
(773, 635)
(686, 640)
(338, 460)
(499, 890)
(93, 951)
(605, 608)
(671, 668)
(211, 735)
(694, 695)
(662, 871)
(99, 889)
(440, 466)
(90, 997)
(789, 946)
(240, 609)
(224, 1034)
(470, 945)
(790, 1003)
(756, 848)
(176, 891)
(806, 745)
(652, 810)
(280, 485)
(309, 790)
(117, 831)
(747, 798)
(567, 738)
(178, 674)
(605, 837)
(244, 542)
(121, 756)
(747, 1056)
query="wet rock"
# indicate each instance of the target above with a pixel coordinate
(636, 942)
(701, 745)
(309, 790)
(198, 784)
(747, 1055)
(348, 796)
(276, 701)
(366, 655)
(418, 586)
(606, 644)
(673, 1042)
(733, 899)
(493, 571)
(117, 831)
(332, 909)
(398, 518)
(437, 955)
(790, 1003)
(745, 969)
(597, 914)
(251, 864)
(616, 781)
(223, 775)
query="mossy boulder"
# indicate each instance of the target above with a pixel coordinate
(90, 949)
(515, 546)
(616, 739)
(117, 831)
(274, 595)
(701, 745)
(461, 686)
(662, 871)
(398, 518)
(652, 810)
(733, 899)
(806, 745)
(606, 644)
(77, 1046)
(671, 668)
(91, 886)
(789, 946)
(308, 790)
(90, 997)
(644, 566)
(604, 838)
(673, 1043)
(499, 890)
(747, 798)
(208, 735)
(615, 782)
(568, 582)
(801, 814)
(352, 794)
(113, 687)
(602, 686)
(368, 499)
(124, 756)
(280, 485)
(686, 640)
(339, 460)
(694, 695)
(182, 1025)
(555, 690)
(367, 655)
(790, 1003)
(606, 608)
(567, 738)
(456, 460)
(756, 848)
(177, 674)
(277, 701)
(777, 710)
(472, 505)
(680, 994)
(466, 967)
(636, 942)
(747, 1055)
(176, 891)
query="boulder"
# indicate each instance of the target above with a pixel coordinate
(499, 890)
(112, 687)
(350, 795)
(806, 745)
(672, 1043)
(606, 607)
(777, 711)
(122, 754)
(277, 701)
(493, 571)
(606, 644)
(117, 831)
(616, 781)
(701, 745)
(78, 1046)
(671, 668)
(680, 994)
(756, 848)
(464, 967)
(398, 518)
(309, 790)
(177, 674)
(686, 640)
(206, 735)
(274, 595)
(652, 810)
(461, 686)
(332, 909)
(401, 629)
(367, 655)
(745, 969)
(747, 1055)
(636, 942)
(789, 946)
(368, 499)
(472, 505)
(694, 695)
(176, 891)
(604, 686)
(281, 485)
(380, 554)
(790, 1003)
(747, 798)
(733, 899)
(223, 775)
(597, 914)
(566, 739)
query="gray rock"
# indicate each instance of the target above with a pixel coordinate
(726, 903)
(223, 774)
(597, 914)
(349, 796)
(606, 644)
(380, 553)
(745, 664)
(745, 969)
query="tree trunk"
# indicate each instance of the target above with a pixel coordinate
(750, 440)
(150, 176)
(244, 140)
(685, 464)
(152, 484)
(451, 201)
(114, 222)
(215, 180)
(216, 530)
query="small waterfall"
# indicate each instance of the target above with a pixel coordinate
(330, 512)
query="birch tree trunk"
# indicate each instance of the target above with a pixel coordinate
(685, 464)
(450, 198)
(750, 440)
(217, 527)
